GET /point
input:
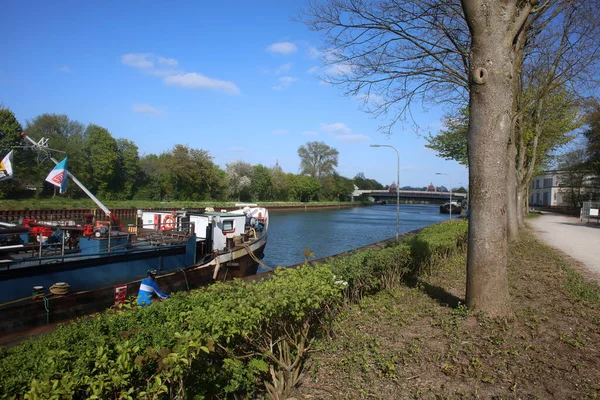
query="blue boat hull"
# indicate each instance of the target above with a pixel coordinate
(87, 272)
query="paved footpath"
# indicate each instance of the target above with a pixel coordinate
(579, 240)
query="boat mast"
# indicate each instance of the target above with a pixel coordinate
(41, 146)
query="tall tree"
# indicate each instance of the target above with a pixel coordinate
(65, 135)
(103, 162)
(278, 181)
(573, 169)
(432, 50)
(365, 183)
(10, 136)
(592, 136)
(317, 159)
(129, 167)
(240, 180)
(262, 187)
(451, 143)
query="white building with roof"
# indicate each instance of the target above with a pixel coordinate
(553, 189)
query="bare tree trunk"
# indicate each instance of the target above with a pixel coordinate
(493, 25)
(521, 208)
(511, 190)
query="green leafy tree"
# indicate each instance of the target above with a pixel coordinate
(336, 187)
(592, 136)
(65, 135)
(279, 183)
(261, 187)
(451, 143)
(150, 186)
(574, 171)
(103, 162)
(364, 183)
(301, 187)
(10, 136)
(129, 161)
(317, 159)
(239, 174)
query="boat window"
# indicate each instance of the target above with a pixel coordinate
(227, 225)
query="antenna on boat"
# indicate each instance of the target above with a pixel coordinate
(42, 147)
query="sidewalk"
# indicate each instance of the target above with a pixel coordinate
(578, 240)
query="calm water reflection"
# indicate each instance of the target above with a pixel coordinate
(329, 232)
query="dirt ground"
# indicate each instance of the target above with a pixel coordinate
(422, 343)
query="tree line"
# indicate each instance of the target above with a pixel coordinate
(113, 168)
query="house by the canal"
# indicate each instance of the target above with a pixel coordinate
(559, 188)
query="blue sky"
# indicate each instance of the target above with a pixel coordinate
(239, 79)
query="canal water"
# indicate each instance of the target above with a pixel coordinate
(328, 232)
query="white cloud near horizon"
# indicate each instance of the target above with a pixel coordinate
(337, 127)
(284, 48)
(146, 109)
(284, 82)
(343, 133)
(279, 131)
(64, 68)
(172, 76)
(193, 80)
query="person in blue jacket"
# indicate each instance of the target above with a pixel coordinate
(149, 287)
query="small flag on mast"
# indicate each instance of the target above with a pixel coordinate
(6, 171)
(58, 176)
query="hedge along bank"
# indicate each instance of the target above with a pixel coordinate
(226, 339)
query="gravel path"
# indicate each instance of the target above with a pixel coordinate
(578, 240)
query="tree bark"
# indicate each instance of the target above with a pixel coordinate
(494, 25)
(521, 206)
(511, 190)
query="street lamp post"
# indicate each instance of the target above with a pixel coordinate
(397, 188)
(449, 177)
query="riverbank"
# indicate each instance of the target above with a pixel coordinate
(420, 341)
(50, 209)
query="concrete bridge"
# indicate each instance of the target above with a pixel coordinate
(389, 196)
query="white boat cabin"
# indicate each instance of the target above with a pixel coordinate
(212, 226)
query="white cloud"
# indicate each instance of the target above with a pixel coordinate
(137, 60)
(284, 82)
(338, 127)
(146, 109)
(167, 69)
(279, 131)
(313, 52)
(284, 68)
(282, 48)
(339, 69)
(343, 133)
(310, 133)
(64, 68)
(313, 70)
(171, 62)
(194, 80)
(372, 98)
